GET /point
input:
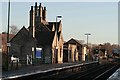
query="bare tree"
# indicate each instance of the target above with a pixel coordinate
(13, 29)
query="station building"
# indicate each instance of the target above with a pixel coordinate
(41, 41)
(74, 51)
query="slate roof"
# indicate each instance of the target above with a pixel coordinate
(74, 41)
(22, 36)
(50, 26)
(40, 27)
(79, 41)
(43, 33)
(58, 23)
(45, 37)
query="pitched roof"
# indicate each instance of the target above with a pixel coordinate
(74, 41)
(22, 36)
(79, 41)
(50, 25)
(40, 27)
(55, 23)
(45, 37)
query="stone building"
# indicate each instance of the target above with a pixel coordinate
(39, 24)
(21, 44)
(41, 34)
(73, 50)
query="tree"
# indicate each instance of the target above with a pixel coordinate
(13, 29)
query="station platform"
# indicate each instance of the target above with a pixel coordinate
(34, 69)
(42, 68)
(115, 76)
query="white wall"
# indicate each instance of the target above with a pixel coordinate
(84, 51)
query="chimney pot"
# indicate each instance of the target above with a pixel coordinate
(35, 3)
(44, 8)
(40, 4)
(31, 8)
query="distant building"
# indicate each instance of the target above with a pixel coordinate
(3, 47)
(73, 50)
(3, 42)
(43, 40)
(116, 52)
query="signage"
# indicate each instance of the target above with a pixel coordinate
(8, 44)
(38, 52)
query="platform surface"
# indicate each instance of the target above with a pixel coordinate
(115, 75)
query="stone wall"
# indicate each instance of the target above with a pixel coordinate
(72, 53)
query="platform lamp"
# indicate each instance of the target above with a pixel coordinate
(87, 34)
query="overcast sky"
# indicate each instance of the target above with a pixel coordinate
(98, 18)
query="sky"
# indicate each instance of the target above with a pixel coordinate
(100, 19)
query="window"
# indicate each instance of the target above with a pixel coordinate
(70, 54)
(78, 47)
(60, 52)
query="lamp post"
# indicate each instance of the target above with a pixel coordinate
(8, 44)
(56, 56)
(87, 34)
(56, 20)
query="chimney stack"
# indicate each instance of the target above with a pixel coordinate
(44, 14)
(35, 17)
(40, 12)
(31, 16)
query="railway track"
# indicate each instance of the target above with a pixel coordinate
(105, 75)
(99, 72)
(77, 72)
